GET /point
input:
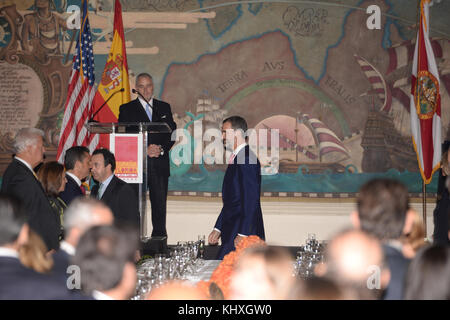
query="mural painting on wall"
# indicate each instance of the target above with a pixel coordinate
(337, 92)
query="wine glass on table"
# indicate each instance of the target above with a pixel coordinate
(201, 246)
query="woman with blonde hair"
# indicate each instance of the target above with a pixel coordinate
(414, 240)
(53, 179)
(34, 255)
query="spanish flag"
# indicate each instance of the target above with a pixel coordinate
(114, 86)
(425, 107)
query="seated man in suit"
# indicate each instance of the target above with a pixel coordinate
(20, 181)
(241, 214)
(77, 162)
(383, 211)
(17, 281)
(105, 255)
(114, 192)
(82, 214)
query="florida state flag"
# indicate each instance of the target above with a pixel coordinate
(114, 84)
(425, 104)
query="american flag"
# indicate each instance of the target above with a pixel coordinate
(80, 94)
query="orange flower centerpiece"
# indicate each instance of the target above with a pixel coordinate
(221, 277)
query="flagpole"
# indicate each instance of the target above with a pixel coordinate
(424, 186)
(424, 207)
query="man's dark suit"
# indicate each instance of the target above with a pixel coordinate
(158, 168)
(398, 266)
(20, 283)
(20, 182)
(122, 200)
(71, 191)
(241, 212)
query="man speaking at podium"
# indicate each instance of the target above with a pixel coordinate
(148, 109)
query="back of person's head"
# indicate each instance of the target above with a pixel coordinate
(12, 219)
(350, 258)
(176, 290)
(74, 154)
(108, 157)
(33, 254)
(263, 272)
(26, 137)
(319, 288)
(50, 175)
(83, 213)
(383, 205)
(105, 256)
(428, 276)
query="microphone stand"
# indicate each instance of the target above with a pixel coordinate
(101, 107)
(143, 98)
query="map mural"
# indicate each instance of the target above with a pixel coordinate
(335, 91)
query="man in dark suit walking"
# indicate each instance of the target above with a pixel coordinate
(20, 181)
(114, 192)
(159, 146)
(77, 162)
(241, 215)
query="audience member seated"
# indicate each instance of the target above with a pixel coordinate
(21, 181)
(17, 281)
(33, 254)
(53, 180)
(176, 290)
(441, 211)
(428, 276)
(77, 162)
(105, 256)
(383, 211)
(351, 258)
(81, 214)
(320, 288)
(414, 240)
(263, 273)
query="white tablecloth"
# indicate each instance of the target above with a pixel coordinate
(205, 271)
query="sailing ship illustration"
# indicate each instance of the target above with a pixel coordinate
(384, 145)
(326, 154)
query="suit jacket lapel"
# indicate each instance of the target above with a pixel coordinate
(139, 110)
(109, 188)
(32, 176)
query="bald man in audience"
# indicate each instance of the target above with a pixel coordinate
(263, 273)
(354, 260)
(80, 215)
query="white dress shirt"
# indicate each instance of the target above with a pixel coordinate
(67, 248)
(8, 252)
(97, 295)
(104, 186)
(74, 177)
